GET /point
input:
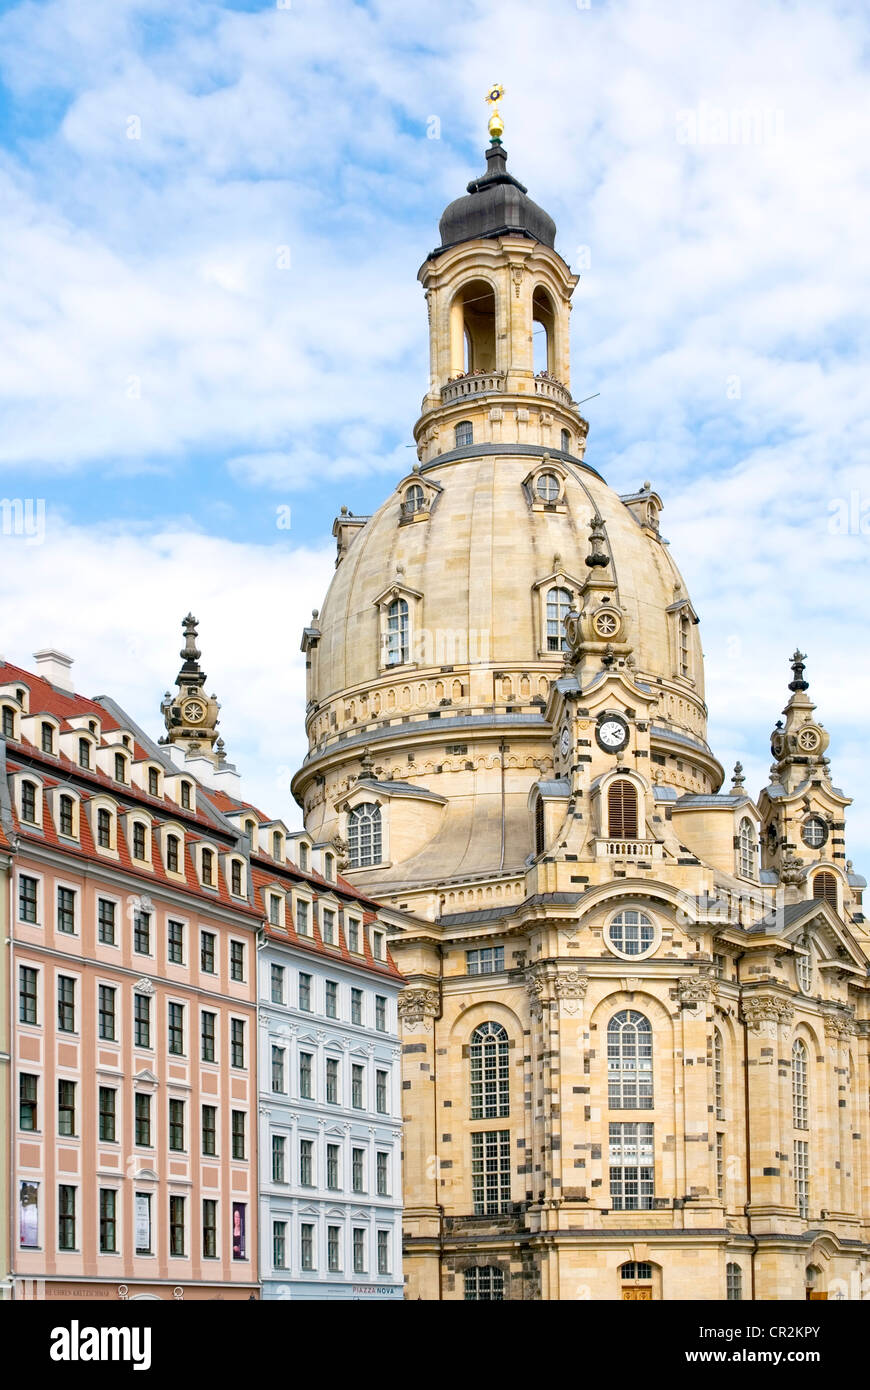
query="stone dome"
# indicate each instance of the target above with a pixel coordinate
(496, 204)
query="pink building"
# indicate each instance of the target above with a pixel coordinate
(133, 967)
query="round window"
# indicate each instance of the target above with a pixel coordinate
(631, 933)
(814, 832)
(547, 486)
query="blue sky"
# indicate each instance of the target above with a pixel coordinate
(212, 219)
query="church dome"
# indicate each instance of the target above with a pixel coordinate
(495, 204)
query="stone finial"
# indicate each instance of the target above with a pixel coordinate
(190, 651)
(797, 666)
(367, 764)
(597, 549)
(738, 779)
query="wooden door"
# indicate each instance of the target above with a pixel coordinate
(637, 1292)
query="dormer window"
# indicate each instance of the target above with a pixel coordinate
(139, 840)
(364, 835)
(464, 434)
(378, 945)
(8, 721)
(28, 802)
(66, 816)
(120, 768)
(236, 878)
(172, 846)
(547, 487)
(414, 500)
(47, 737)
(104, 828)
(207, 868)
(84, 753)
(185, 795)
(397, 633)
(558, 608)
(277, 845)
(153, 782)
(329, 865)
(274, 909)
(250, 831)
(303, 856)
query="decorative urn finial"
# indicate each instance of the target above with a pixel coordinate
(496, 124)
(797, 666)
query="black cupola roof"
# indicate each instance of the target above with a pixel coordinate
(496, 204)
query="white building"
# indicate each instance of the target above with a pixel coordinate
(330, 1099)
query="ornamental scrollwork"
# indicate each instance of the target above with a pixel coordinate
(418, 1007)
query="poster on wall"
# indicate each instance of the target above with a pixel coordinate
(28, 1213)
(143, 1223)
(238, 1230)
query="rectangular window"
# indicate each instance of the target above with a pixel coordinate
(380, 1013)
(332, 1165)
(331, 999)
(383, 1252)
(66, 1004)
(209, 1228)
(207, 862)
(353, 936)
(333, 1249)
(106, 1012)
(802, 1178)
(66, 1107)
(278, 1057)
(357, 1098)
(720, 1167)
(185, 796)
(28, 1090)
(238, 1130)
(632, 1170)
(331, 1081)
(142, 1115)
(491, 1172)
(28, 898)
(237, 1042)
(176, 1126)
(279, 1155)
(207, 1022)
(172, 854)
(489, 960)
(138, 840)
(359, 1250)
(104, 829)
(107, 1114)
(142, 933)
(175, 943)
(105, 922)
(108, 1220)
(274, 910)
(237, 960)
(28, 802)
(66, 1217)
(120, 768)
(356, 1006)
(8, 722)
(383, 1161)
(328, 920)
(143, 1223)
(47, 732)
(357, 1169)
(26, 994)
(28, 1215)
(277, 983)
(67, 823)
(206, 952)
(378, 950)
(305, 1073)
(306, 1162)
(141, 1020)
(209, 1130)
(176, 1225)
(302, 917)
(305, 992)
(240, 1211)
(306, 1245)
(236, 879)
(279, 1244)
(66, 910)
(381, 1084)
(84, 753)
(153, 782)
(175, 1029)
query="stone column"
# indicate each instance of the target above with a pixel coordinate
(767, 1017)
(697, 1180)
(418, 1008)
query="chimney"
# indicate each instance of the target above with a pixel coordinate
(54, 667)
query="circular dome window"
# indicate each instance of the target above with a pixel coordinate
(547, 487)
(631, 933)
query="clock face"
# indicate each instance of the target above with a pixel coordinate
(565, 742)
(612, 733)
(193, 712)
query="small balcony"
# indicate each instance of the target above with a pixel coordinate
(552, 390)
(628, 849)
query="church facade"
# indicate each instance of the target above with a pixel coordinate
(635, 1027)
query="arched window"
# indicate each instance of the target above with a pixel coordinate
(746, 839)
(489, 1055)
(558, 608)
(718, 1074)
(172, 843)
(631, 932)
(28, 802)
(825, 887)
(566, 442)
(799, 1085)
(8, 721)
(464, 434)
(66, 819)
(622, 810)
(484, 1284)
(276, 844)
(329, 865)
(733, 1282)
(685, 653)
(364, 835)
(629, 1062)
(303, 856)
(804, 969)
(414, 500)
(543, 323)
(84, 753)
(539, 826)
(635, 1271)
(397, 633)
